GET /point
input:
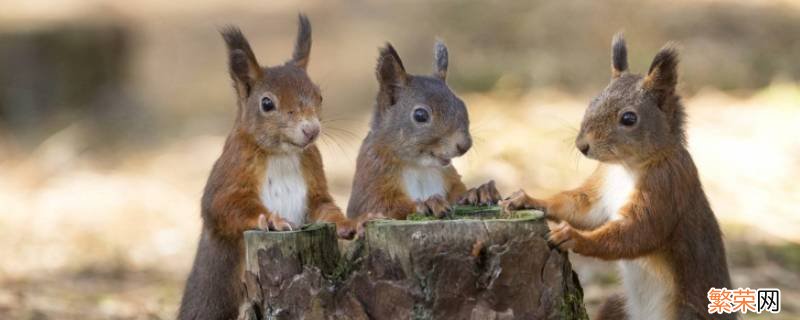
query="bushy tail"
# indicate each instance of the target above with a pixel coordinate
(213, 288)
(613, 309)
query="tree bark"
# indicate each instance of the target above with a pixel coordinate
(442, 269)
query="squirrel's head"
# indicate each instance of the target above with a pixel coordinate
(635, 118)
(278, 106)
(419, 117)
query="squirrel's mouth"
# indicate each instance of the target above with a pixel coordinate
(300, 146)
(442, 160)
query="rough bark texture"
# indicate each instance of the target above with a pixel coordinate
(462, 269)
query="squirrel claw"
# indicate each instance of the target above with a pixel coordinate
(436, 206)
(262, 222)
(520, 200)
(346, 229)
(274, 223)
(362, 222)
(562, 236)
(485, 194)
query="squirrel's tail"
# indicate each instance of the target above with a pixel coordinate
(613, 308)
(213, 287)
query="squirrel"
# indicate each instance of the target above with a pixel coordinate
(269, 176)
(418, 125)
(644, 205)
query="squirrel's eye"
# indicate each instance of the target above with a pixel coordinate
(421, 115)
(628, 119)
(267, 104)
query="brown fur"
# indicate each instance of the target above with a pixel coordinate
(231, 201)
(377, 186)
(666, 223)
(396, 141)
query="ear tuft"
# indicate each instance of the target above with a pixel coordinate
(390, 70)
(239, 65)
(242, 62)
(440, 60)
(663, 73)
(302, 46)
(619, 55)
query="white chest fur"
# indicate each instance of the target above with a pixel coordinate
(284, 189)
(423, 182)
(618, 184)
(649, 288)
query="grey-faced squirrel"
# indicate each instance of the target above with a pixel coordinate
(418, 125)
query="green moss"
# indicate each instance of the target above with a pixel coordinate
(461, 212)
(420, 312)
(572, 306)
(349, 261)
(420, 217)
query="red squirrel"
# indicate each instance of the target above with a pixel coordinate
(418, 125)
(644, 205)
(270, 170)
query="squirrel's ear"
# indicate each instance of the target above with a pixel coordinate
(390, 71)
(619, 56)
(242, 62)
(663, 74)
(440, 60)
(302, 46)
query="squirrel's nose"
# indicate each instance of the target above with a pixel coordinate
(584, 148)
(311, 132)
(463, 147)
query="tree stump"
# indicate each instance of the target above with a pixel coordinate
(487, 268)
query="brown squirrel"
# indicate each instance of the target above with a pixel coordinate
(270, 171)
(418, 125)
(644, 205)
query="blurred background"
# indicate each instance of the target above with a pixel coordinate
(112, 113)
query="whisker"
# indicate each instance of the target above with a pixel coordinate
(328, 141)
(348, 141)
(325, 141)
(335, 141)
(329, 120)
(343, 131)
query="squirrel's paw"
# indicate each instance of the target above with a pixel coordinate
(486, 194)
(435, 205)
(362, 222)
(273, 223)
(517, 200)
(562, 236)
(346, 229)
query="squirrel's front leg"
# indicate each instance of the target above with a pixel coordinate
(329, 212)
(610, 242)
(633, 236)
(345, 228)
(521, 200)
(571, 206)
(235, 212)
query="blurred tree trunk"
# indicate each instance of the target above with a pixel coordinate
(56, 74)
(462, 269)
